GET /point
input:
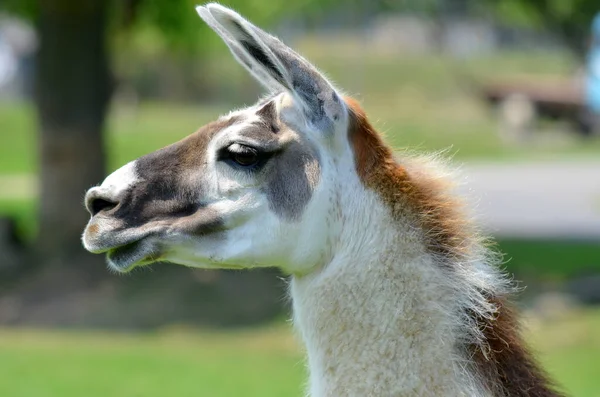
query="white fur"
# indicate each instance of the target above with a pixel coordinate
(112, 187)
(118, 181)
(381, 318)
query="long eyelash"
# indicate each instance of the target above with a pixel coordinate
(224, 154)
(246, 149)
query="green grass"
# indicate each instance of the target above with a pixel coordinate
(264, 362)
(568, 346)
(17, 139)
(129, 135)
(64, 364)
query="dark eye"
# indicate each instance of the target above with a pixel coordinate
(243, 155)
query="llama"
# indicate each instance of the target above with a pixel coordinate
(393, 291)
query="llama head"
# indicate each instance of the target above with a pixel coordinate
(255, 188)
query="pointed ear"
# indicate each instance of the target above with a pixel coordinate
(277, 66)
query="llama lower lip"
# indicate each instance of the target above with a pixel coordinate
(126, 257)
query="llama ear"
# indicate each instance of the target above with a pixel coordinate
(276, 66)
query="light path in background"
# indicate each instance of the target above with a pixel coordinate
(538, 200)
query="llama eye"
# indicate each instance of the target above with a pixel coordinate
(243, 155)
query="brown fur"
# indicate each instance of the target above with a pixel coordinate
(510, 370)
(437, 213)
(93, 229)
(506, 367)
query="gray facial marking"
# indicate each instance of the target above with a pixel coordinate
(291, 180)
(293, 172)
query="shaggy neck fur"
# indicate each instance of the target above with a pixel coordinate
(376, 320)
(408, 304)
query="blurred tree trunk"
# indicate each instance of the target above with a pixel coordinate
(73, 88)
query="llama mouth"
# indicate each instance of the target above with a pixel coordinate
(138, 253)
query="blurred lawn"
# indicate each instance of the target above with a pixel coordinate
(549, 260)
(264, 362)
(64, 364)
(418, 102)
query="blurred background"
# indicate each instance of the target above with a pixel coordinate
(509, 89)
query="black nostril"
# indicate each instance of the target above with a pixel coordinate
(98, 200)
(98, 205)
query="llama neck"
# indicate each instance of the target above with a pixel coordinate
(378, 319)
(407, 305)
